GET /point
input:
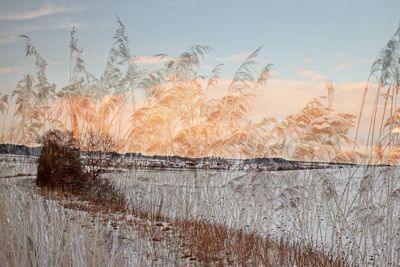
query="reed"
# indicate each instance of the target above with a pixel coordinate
(176, 117)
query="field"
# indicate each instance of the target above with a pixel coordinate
(35, 231)
(340, 210)
(352, 213)
(184, 158)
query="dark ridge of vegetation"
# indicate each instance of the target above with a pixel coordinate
(178, 162)
(220, 163)
(20, 150)
(61, 168)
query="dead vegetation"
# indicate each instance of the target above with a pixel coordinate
(217, 245)
(206, 243)
(177, 117)
(60, 167)
(62, 176)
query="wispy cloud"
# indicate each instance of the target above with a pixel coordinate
(6, 70)
(343, 63)
(150, 60)
(8, 39)
(311, 74)
(238, 57)
(12, 36)
(45, 10)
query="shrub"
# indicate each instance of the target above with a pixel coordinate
(59, 162)
(61, 167)
(98, 151)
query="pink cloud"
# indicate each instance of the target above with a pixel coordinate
(281, 98)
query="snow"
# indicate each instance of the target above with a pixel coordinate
(353, 211)
(350, 210)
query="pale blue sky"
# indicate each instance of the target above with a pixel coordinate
(303, 39)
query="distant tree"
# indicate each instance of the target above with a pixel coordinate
(99, 149)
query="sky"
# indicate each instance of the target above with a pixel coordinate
(308, 42)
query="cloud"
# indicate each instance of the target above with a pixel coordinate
(235, 58)
(45, 10)
(12, 36)
(311, 74)
(150, 60)
(238, 57)
(282, 97)
(343, 63)
(65, 25)
(8, 39)
(6, 70)
(279, 97)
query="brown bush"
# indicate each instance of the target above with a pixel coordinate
(61, 167)
(59, 162)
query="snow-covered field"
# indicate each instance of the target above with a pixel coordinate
(35, 231)
(354, 212)
(15, 165)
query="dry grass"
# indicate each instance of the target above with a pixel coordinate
(51, 235)
(206, 243)
(177, 117)
(351, 211)
(214, 244)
